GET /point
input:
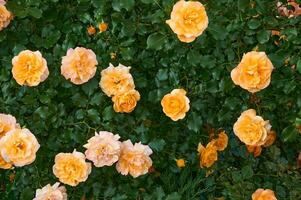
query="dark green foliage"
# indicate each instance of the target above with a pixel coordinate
(63, 116)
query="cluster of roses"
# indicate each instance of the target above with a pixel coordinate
(18, 146)
(5, 15)
(79, 66)
(103, 149)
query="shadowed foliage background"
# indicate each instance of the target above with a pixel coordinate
(63, 116)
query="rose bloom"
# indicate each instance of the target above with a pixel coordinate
(208, 154)
(126, 103)
(188, 20)
(91, 30)
(270, 139)
(79, 65)
(29, 68)
(102, 26)
(19, 146)
(51, 193)
(255, 150)
(221, 142)
(254, 71)
(261, 194)
(175, 104)
(103, 149)
(180, 163)
(134, 159)
(4, 164)
(116, 80)
(7, 123)
(71, 168)
(5, 16)
(251, 129)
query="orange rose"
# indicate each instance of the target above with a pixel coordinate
(175, 104)
(19, 146)
(91, 30)
(180, 163)
(126, 102)
(251, 129)
(71, 168)
(29, 68)
(102, 27)
(188, 20)
(208, 155)
(221, 142)
(262, 194)
(79, 65)
(5, 16)
(255, 150)
(7, 123)
(116, 80)
(254, 71)
(54, 192)
(270, 139)
(134, 159)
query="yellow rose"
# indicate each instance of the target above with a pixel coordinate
(255, 150)
(134, 159)
(175, 104)
(102, 27)
(251, 129)
(5, 16)
(29, 68)
(261, 194)
(7, 123)
(103, 149)
(221, 142)
(188, 20)
(54, 192)
(79, 65)
(126, 102)
(116, 80)
(254, 71)
(71, 168)
(19, 146)
(208, 154)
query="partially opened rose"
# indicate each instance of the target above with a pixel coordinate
(221, 142)
(126, 102)
(29, 68)
(262, 194)
(79, 65)
(5, 16)
(116, 80)
(254, 71)
(134, 159)
(251, 129)
(103, 149)
(208, 155)
(188, 20)
(71, 168)
(54, 192)
(175, 104)
(19, 147)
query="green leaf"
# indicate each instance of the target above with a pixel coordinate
(299, 66)
(173, 196)
(194, 122)
(35, 12)
(155, 41)
(118, 5)
(289, 134)
(157, 144)
(263, 36)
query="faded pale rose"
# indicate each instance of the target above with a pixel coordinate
(254, 72)
(188, 20)
(19, 147)
(134, 159)
(71, 168)
(103, 149)
(7, 123)
(54, 192)
(29, 68)
(79, 65)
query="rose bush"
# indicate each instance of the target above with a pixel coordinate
(63, 116)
